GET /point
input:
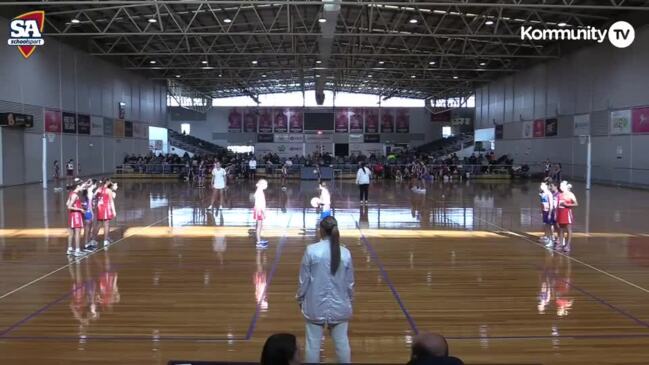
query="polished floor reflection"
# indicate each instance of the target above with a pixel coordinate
(462, 259)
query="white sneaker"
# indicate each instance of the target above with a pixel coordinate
(548, 242)
(107, 243)
(70, 251)
(78, 253)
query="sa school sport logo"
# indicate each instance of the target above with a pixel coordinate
(26, 32)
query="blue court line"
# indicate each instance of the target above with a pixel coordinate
(386, 278)
(598, 299)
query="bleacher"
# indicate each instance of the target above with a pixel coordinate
(446, 146)
(193, 144)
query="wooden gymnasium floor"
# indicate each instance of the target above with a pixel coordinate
(183, 283)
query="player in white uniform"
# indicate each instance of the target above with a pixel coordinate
(219, 175)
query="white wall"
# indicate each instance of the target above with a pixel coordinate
(215, 129)
(61, 77)
(593, 80)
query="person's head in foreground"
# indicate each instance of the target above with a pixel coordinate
(431, 349)
(262, 184)
(280, 349)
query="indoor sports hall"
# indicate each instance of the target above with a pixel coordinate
(216, 182)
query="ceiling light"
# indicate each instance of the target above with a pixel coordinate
(489, 22)
(75, 21)
(204, 62)
(220, 75)
(413, 21)
(563, 24)
(455, 77)
(483, 63)
(381, 62)
(177, 76)
(322, 20)
(317, 75)
(227, 20)
(263, 75)
(432, 62)
(413, 76)
(318, 62)
(370, 76)
(153, 20)
(153, 62)
(254, 62)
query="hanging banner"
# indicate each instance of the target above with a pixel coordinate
(581, 125)
(440, 115)
(265, 121)
(128, 129)
(342, 120)
(499, 131)
(118, 128)
(640, 120)
(52, 121)
(108, 127)
(83, 124)
(403, 120)
(387, 120)
(280, 120)
(96, 126)
(69, 123)
(250, 117)
(621, 122)
(234, 120)
(551, 127)
(296, 123)
(528, 129)
(539, 128)
(356, 120)
(371, 120)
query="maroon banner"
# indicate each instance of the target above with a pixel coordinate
(53, 121)
(265, 120)
(539, 128)
(403, 120)
(356, 120)
(234, 120)
(342, 120)
(280, 120)
(250, 117)
(83, 124)
(387, 120)
(296, 123)
(640, 120)
(371, 120)
(440, 115)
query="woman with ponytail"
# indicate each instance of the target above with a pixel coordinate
(326, 292)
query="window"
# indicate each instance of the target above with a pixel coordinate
(447, 132)
(185, 128)
(242, 149)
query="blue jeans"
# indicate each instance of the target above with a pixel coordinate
(338, 334)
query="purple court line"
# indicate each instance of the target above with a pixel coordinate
(386, 278)
(273, 269)
(599, 300)
(39, 311)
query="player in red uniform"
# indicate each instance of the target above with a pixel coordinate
(565, 217)
(75, 218)
(106, 208)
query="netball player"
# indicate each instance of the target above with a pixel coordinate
(219, 175)
(284, 175)
(69, 172)
(201, 174)
(547, 209)
(87, 199)
(259, 212)
(565, 217)
(106, 208)
(325, 201)
(75, 219)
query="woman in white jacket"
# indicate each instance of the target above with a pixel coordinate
(363, 176)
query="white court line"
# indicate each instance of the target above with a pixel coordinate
(569, 257)
(73, 262)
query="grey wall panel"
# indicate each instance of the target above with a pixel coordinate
(599, 123)
(13, 161)
(566, 126)
(512, 131)
(509, 100)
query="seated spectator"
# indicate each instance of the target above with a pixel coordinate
(280, 349)
(431, 349)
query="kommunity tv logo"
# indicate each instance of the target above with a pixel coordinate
(621, 34)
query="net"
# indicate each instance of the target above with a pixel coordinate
(50, 137)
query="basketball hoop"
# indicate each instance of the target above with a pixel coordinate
(50, 137)
(583, 139)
